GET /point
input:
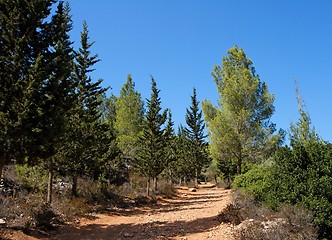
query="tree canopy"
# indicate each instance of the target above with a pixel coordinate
(240, 126)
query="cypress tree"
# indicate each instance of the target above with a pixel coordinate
(58, 90)
(24, 39)
(150, 161)
(195, 134)
(80, 149)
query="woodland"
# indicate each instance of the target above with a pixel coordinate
(62, 138)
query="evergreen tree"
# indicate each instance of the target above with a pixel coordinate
(240, 129)
(58, 90)
(195, 133)
(81, 147)
(107, 109)
(181, 169)
(170, 146)
(129, 120)
(24, 39)
(150, 161)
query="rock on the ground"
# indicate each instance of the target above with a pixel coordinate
(128, 235)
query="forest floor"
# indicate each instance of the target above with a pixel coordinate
(189, 215)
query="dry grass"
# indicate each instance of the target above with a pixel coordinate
(255, 222)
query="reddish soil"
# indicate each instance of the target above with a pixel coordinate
(190, 215)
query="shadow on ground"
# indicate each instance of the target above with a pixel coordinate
(153, 230)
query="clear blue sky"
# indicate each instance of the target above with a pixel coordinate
(179, 42)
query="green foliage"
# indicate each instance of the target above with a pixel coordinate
(180, 167)
(32, 177)
(307, 179)
(150, 160)
(301, 175)
(194, 132)
(24, 41)
(256, 181)
(240, 128)
(129, 117)
(86, 139)
(227, 169)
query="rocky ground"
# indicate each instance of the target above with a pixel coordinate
(190, 215)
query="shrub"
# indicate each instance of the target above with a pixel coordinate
(166, 189)
(256, 221)
(71, 208)
(28, 211)
(301, 176)
(43, 216)
(34, 178)
(257, 181)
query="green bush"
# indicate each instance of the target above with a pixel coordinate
(34, 178)
(301, 176)
(257, 181)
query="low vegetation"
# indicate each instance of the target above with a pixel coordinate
(298, 175)
(253, 221)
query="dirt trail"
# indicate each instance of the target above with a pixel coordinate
(191, 215)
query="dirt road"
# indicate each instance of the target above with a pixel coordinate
(190, 215)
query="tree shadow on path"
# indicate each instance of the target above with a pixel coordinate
(150, 230)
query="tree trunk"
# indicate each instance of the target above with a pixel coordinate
(74, 186)
(180, 181)
(2, 164)
(148, 187)
(239, 163)
(155, 185)
(50, 182)
(215, 179)
(196, 177)
(238, 167)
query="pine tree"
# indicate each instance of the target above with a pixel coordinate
(195, 133)
(150, 161)
(240, 129)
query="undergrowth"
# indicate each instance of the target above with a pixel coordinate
(253, 221)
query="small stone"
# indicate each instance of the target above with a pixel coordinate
(2, 222)
(192, 189)
(128, 235)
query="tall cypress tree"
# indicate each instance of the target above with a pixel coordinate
(149, 161)
(80, 149)
(58, 91)
(195, 134)
(24, 39)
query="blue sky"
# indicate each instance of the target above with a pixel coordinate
(179, 42)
